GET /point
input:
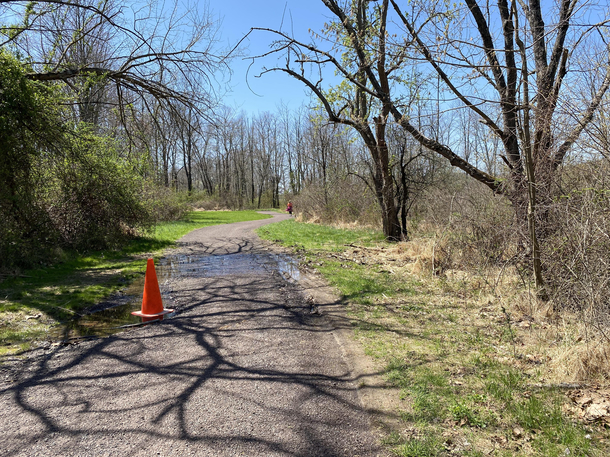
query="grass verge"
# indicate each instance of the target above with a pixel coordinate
(472, 370)
(32, 302)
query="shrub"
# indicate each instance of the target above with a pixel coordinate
(164, 204)
(97, 200)
(346, 201)
(61, 186)
(577, 258)
(477, 228)
(30, 129)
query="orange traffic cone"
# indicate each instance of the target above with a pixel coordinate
(152, 306)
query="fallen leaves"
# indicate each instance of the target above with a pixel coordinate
(591, 405)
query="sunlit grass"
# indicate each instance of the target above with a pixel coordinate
(316, 237)
(315, 241)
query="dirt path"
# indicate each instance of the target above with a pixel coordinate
(242, 369)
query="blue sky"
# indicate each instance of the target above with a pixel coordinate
(271, 90)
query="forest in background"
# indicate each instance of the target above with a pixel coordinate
(484, 126)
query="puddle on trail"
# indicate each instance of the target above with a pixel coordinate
(101, 323)
(119, 318)
(197, 266)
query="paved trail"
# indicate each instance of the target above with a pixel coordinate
(243, 369)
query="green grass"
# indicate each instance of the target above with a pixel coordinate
(491, 398)
(426, 446)
(313, 237)
(454, 386)
(318, 243)
(61, 291)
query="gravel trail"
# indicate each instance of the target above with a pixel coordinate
(243, 369)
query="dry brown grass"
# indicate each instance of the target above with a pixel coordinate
(567, 346)
(456, 314)
(558, 347)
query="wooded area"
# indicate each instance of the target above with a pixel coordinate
(486, 120)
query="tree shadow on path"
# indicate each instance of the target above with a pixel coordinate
(243, 369)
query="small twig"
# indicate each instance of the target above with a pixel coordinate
(66, 309)
(510, 329)
(561, 385)
(75, 338)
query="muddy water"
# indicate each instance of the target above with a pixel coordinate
(119, 318)
(225, 265)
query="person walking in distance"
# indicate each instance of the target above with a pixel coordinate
(289, 208)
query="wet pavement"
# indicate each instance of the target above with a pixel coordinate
(209, 266)
(118, 318)
(243, 368)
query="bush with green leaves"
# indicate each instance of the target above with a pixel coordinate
(61, 184)
(98, 195)
(30, 130)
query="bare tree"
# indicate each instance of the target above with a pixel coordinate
(140, 50)
(415, 169)
(502, 61)
(354, 104)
